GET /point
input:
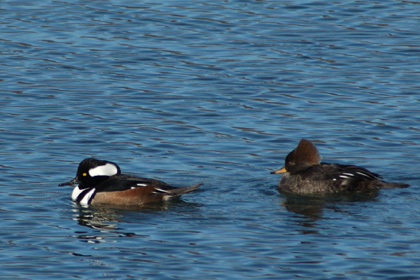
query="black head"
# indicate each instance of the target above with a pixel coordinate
(92, 171)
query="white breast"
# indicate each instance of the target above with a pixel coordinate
(75, 193)
(86, 198)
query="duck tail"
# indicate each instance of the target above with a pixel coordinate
(177, 192)
(389, 185)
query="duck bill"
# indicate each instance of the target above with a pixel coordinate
(72, 182)
(282, 170)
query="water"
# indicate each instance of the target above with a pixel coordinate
(217, 93)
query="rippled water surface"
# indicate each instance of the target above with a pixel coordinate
(215, 92)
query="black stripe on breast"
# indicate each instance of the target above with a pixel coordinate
(83, 194)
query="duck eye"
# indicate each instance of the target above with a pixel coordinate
(84, 174)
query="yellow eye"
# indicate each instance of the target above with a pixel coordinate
(84, 174)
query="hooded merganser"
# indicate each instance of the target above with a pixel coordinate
(306, 174)
(101, 182)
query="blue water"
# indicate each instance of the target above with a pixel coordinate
(214, 92)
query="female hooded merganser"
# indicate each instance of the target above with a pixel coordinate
(101, 182)
(306, 174)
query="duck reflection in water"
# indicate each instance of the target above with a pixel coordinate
(107, 221)
(313, 206)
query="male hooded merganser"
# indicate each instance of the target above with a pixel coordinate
(101, 182)
(306, 174)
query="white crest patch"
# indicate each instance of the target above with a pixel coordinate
(108, 169)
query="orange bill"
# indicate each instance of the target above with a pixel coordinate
(282, 170)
